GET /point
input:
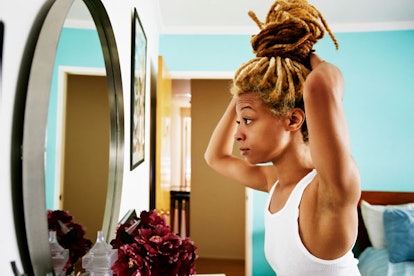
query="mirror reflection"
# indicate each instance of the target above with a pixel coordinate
(78, 126)
(78, 116)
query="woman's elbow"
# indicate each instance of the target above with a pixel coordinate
(207, 158)
(214, 160)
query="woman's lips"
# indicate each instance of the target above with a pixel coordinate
(243, 151)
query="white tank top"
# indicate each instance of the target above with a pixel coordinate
(284, 249)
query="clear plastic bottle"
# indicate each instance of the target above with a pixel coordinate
(100, 259)
(60, 255)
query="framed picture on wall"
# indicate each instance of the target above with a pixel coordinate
(138, 76)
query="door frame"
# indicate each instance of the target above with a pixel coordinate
(249, 193)
(63, 72)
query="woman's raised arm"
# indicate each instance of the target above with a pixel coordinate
(328, 132)
(219, 154)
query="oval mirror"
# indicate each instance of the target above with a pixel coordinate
(60, 129)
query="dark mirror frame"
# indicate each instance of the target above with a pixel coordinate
(1, 55)
(29, 131)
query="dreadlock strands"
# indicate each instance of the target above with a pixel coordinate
(325, 24)
(244, 66)
(280, 79)
(298, 51)
(278, 33)
(256, 20)
(287, 41)
(290, 95)
(298, 10)
(301, 72)
(282, 48)
(270, 72)
(270, 13)
(259, 65)
(279, 8)
(262, 65)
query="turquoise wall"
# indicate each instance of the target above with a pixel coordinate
(80, 48)
(377, 68)
(378, 71)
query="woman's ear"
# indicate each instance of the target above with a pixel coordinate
(296, 118)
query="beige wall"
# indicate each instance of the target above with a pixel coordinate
(217, 205)
(86, 151)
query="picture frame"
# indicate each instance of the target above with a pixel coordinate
(138, 83)
(129, 216)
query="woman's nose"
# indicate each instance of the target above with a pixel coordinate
(238, 136)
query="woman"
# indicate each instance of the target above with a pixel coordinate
(288, 120)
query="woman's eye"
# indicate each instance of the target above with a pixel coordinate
(247, 121)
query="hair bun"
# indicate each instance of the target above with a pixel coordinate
(291, 30)
(287, 41)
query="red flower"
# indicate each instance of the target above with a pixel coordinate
(148, 247)
(130, 261)
(152, 218)
(69, 235)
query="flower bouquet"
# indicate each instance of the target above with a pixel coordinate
(147, 247)
(70, 235)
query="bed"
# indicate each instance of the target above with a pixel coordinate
(385, 244)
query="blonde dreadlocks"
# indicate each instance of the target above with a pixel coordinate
(282, 48)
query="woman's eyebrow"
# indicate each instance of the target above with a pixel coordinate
(247, 107)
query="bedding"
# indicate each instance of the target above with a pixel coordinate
(399, 234)
(386, 234)
(375, 262)
(373, 220)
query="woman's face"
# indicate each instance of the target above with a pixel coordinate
(261, 135)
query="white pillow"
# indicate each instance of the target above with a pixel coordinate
(374, 222)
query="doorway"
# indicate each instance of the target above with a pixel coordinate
(85, 150)
(218, 206)
(219, 216)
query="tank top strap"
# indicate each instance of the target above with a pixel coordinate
(269, 197)
(296, 195)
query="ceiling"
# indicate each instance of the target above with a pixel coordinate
(230, 16)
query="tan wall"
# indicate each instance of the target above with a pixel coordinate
(86, 151)
(217, 205)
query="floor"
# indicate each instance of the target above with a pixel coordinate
(228, 267)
